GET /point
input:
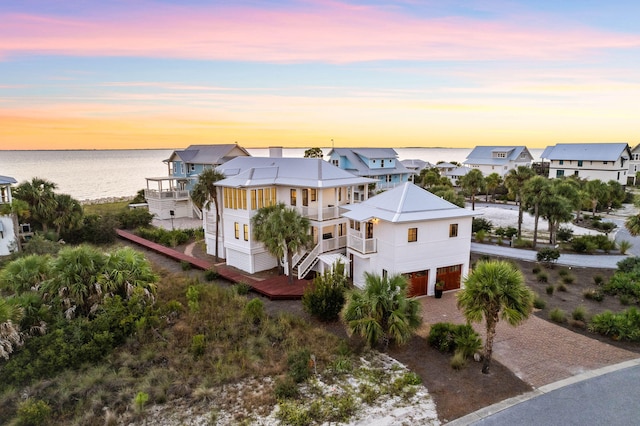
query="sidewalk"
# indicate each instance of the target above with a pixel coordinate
(608, 261)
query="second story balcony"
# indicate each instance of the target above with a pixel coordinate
(166, 195)
(313, 213)
(357, 242)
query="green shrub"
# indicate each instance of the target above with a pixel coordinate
(598, 279)
(624, 246)
(193, 298)
(629, 264)
(198, 345)
(140, 400)
(622, 326)
(326, 297)
(591, 243)
(33, 412)
(542, 277)
(539, 303)
(561, 287)
(558, 315)
(134, 218)
(550, 289)
(568, 279)
(548, 255)
(593, 294)
(242, 288)
(299, 365)
(254, 310)
(563, 272)
(564, 233)
(448, 337)
(480, 236)
(185, 265)
(466, 340)
(510, 232)
(481, 224)
(458, 361)
(441, 336)
(625, 299)
(522, 243)
(211, 274)
(579, 313)
(286, 388)
(536, 269)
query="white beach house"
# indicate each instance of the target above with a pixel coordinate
(317, 189)
(498, 159)
(603, 161)
(8, 222)
(407, 230)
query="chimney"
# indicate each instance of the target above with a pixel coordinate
(275, 152)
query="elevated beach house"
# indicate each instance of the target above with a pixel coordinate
(634, 166)
(498, 159)
(380, 164)
(408, 230)
(171, 194)
(603, 161)
(8, 222)
(317, 189)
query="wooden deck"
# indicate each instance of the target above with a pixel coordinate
(276, 288)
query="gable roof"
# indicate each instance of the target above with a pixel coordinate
(405, 203)
(7, 180)
(297, 172)
(458, 171)
(416, 164)
(360, 168)
(586, 151)
(484, 154)
(206, 154)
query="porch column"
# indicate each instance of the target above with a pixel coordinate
(320, 204)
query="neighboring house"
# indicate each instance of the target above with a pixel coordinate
(603, 161)
(171, 193)
(410, 231)
(416, 166)
(455, 174)
(634, 165)
(380, 164)
(445, 168)
(317, 189)
(8, 222)
(498, 159)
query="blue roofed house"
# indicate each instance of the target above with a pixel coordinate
(590, 161)
(171, 193)
(380, 164)
(8, 222)
(408, 230)
(317, 189)
(498, 159)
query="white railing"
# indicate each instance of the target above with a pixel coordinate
(312, 212)
(334, 244)
(166, 195)
(308, 263)
(362, 245)
(197, 211)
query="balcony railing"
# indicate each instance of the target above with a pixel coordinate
(334, 244)
(362, 245)
(166, 195)
(331, 212)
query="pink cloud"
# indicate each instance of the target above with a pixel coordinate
(328, 32)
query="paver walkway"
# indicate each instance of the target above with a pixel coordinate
(537, 351)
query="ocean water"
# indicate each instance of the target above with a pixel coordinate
(97, 174)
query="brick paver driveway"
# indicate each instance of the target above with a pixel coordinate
(537, 351)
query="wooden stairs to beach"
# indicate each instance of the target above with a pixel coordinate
(276, 288)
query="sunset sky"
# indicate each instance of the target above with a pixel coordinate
(434, 73)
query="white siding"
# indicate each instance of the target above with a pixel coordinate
(263, 261)
(239, 260)
(8, 239)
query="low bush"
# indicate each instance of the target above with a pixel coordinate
(299, 365)
(539, 303)
(448, 337)
(591, 243)
(33, 412)
(579, 313)
(568, 279)
(198, 345)
(254, 310)
(624, 246)
(211, 274)
(629, 264)
(561, 287)
(481, 224)
(326, 297)
(536, 269)
(564, 234)
(165, 237)
(622, 326)
(625, 300)
(550, 289)
(242, 288)
(548, 255)
(598, 279)
(558, 315)
(593, 294)
(542, 277)
(286, 388)
(480, 236)
(134, 218)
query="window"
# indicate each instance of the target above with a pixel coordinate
(313, 194)
(192, 167)
(246, 232)
(253, 199)
(294, 197)
(413, 235)
(385, 273)
(453, 230)
(561, 162)
(181, 168)
(389, 178)
(579, 163)
(341, 229)
(236, 229)
(260, 198)
(559, 173)
(305, 197)
(605, 162)
(575, 173)
(501, 155)
(335, 162)
(381, 163)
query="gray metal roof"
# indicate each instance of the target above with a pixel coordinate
(206, 154)
(7, 180)
(360, 168)
(587, 151)
(416, 164)
(459, 171)
(297, 172)
(405, 203)
(484, 154)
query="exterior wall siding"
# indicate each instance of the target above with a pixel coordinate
(8, 238)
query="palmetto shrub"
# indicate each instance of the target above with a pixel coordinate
(622, 326)
(326, 297)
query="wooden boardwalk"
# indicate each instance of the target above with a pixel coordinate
(276, 288)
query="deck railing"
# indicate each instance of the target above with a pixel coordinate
(166, 195)
(362, 245)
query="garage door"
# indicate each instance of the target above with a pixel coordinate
(450, 275)
(418, 282)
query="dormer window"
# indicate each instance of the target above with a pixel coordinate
(500, 155)
(381, 163)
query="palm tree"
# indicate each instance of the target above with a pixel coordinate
(382, 311)
(473, 182)
(493, 181)
(283, 231)
(514, 182)
(633, 225)
(556, 209)
(25, 273)
(68, 213)
(596, 190)
(206, 190)
(313, 153)
(495, 290)
(41, 199)
(10, 336)
(535, 191)
(125, 271)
